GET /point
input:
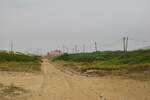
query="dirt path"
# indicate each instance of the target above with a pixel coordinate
(53, 84)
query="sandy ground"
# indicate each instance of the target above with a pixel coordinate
(53, 84)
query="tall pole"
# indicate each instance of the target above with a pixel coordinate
(96, 46)
(11, 48)
(124, 44)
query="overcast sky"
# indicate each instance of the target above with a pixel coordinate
(50, 24)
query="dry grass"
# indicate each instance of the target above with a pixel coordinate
(19, 62)
(20, 66)
(134, 64)
(136, 71)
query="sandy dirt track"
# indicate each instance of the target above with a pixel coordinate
(54, 84)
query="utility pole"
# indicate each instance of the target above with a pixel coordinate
(126, 44)
(96, 46)
(11, 47)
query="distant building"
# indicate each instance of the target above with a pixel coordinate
(55, 53)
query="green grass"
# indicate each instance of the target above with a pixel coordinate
(109, 57)
(20, 57)
(19, 62)
(110, 62)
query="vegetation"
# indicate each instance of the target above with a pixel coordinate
(109, 57)
(19, 57)
(116, 62)
(19, 62)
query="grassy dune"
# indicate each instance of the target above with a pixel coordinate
(109, 62)
(19, 62)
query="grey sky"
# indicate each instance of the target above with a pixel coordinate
(49, 24)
